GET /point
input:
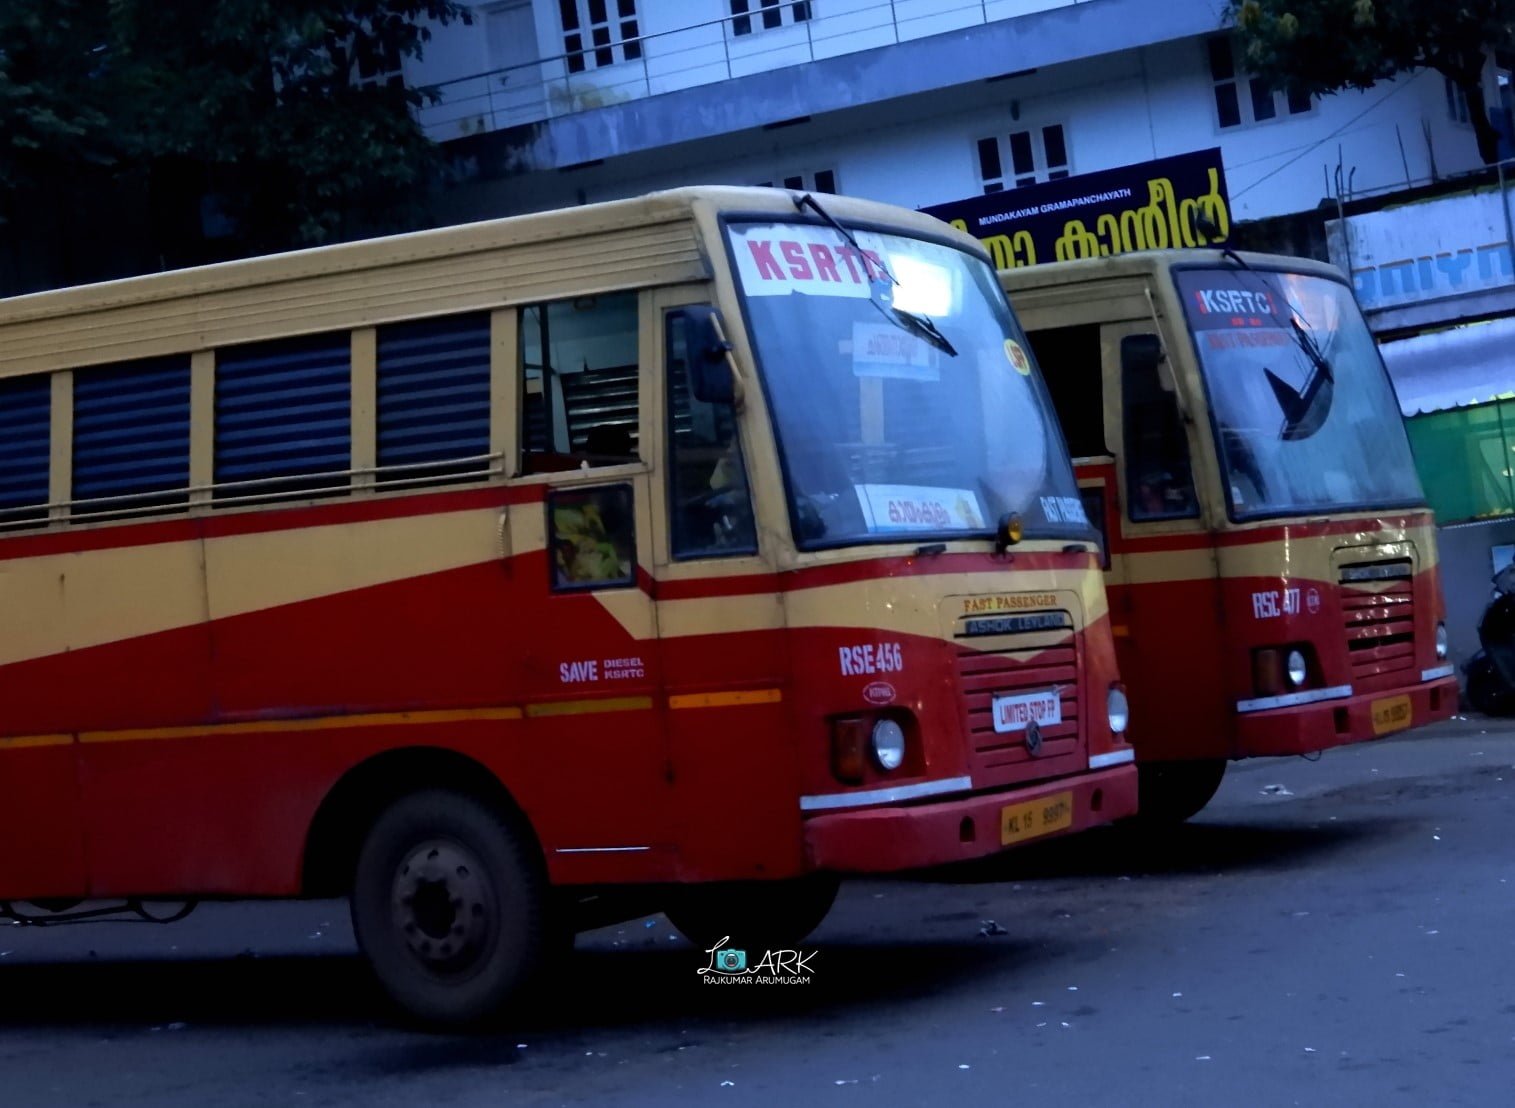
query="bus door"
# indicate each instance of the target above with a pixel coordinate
(590, 678)
(1164, 590)
(720, 615)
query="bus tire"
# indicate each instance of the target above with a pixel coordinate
(448, 904)
(1168, 793)
(766, 915)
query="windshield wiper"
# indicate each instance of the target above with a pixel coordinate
(922, 327)
(1299, 406)
(883, 299)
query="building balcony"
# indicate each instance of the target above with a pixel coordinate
(656, 89)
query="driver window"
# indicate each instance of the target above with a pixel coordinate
(711, 505)
(1159, 479)
(579, 387)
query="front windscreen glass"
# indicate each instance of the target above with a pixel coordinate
(905, 400)
(1304, 414)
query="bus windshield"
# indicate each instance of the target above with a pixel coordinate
(1303, 411)
(905, 400)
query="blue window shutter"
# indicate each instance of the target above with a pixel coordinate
(433, 394)
(284, 409)
(131, 434)
(25, 447)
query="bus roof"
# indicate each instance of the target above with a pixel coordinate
(645, 241)
(561, 223)
(1141, 262)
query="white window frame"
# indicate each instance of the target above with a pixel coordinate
(621, 28)
(805, 180)
(1248, 89)
(1013, 176)
(754, 16)
(1457, 104)
(392, 76)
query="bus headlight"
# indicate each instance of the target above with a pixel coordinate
(1296, 669)
(888, 744)
(1118, 710)
(1441, 642)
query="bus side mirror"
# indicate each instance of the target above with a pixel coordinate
(711, 379)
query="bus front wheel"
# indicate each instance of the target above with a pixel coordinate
(448, 905)
(1170, 792)
(766, 915)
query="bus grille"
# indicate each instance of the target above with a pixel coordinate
(1006, 666)
(1378, 609)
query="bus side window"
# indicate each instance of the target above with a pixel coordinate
(710, 504)
(1069, 358)
(1159, 479)
(591, 536)
(579, 387)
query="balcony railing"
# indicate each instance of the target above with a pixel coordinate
(701, 54)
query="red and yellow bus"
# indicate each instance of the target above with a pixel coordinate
(1271, 561)
(683, 552)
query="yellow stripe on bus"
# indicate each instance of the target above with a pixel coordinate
(393, 719)
(586, 707)
(21, 742)
(726, 699)
(322, 723)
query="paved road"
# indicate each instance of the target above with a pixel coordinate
(1330, 933)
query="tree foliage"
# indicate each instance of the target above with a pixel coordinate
(1325, 46)
(247, 109)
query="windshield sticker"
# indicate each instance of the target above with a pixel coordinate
(1235, 340)
(779, 259)
(1017, 355)
(882, 350)
(919, 508)
(1235, 302)
(1064, 509)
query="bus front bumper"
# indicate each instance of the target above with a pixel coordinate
(1307, 728)
(886, 839)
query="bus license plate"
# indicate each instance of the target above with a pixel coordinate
(1391, 714)
(1018, 822)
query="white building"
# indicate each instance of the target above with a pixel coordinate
(916, 102)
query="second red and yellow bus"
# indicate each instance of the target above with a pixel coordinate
(1272, 562)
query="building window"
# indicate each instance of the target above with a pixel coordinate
(1031, 156)
(597, 33)
(751, 15)
(822, 180)
(381, 69)
(1241, 98)
(1457, 102)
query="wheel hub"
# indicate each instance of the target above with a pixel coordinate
(441, 904)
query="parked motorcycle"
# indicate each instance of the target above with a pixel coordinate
(1491, 672)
